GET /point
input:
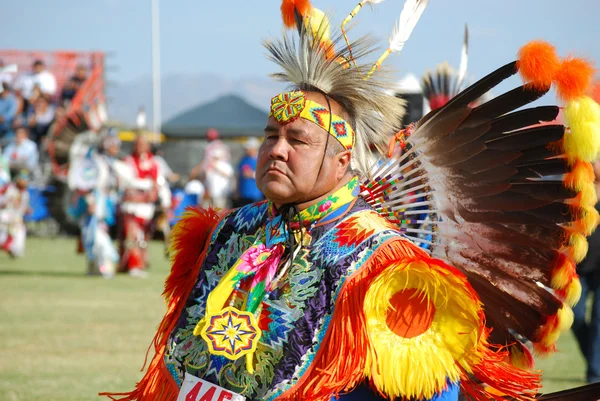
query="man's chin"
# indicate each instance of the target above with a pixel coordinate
(278, 193)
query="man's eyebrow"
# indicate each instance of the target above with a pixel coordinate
(271, 128)
(297, 132)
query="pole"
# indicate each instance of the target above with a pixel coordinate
(156, 105)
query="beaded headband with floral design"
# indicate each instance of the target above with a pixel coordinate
(289, 106)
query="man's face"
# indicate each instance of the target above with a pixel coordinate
(113, 150)
(292, 166)
(141, 146)
(81, 72)
(38, 67)
(20, 136)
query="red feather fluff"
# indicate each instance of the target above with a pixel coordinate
(573, 78)
(538, 64)
(289, 6)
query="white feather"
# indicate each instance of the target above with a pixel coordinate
(373, 1)
(464, 58)
(406, 23)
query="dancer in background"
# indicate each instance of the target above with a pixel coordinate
(138, 206)
(14, 204)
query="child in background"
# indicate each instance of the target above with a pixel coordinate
(14, 203)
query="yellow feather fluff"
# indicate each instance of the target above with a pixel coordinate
(578, 247)
(582, 141)
(582, 109)
(589, 220)
(587, 195)
(563, 275)
(565, 318)
(564, 322)
(573, 292)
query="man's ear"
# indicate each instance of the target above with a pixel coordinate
(343, 163)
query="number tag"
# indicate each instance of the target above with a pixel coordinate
(195, 389)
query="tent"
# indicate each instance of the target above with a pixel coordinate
(231, 115)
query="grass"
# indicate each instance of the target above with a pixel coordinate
(66, 337)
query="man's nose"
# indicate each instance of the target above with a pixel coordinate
(279, 151)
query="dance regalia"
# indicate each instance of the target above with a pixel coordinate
(273, 304)
(95, 181)
(14, 202)
(138, 207)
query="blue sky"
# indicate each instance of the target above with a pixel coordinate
(223, 37)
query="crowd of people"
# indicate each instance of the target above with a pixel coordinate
(29, 104)
(133, 195)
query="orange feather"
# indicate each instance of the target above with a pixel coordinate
(538, 64)
(573, 78)
(288, 8)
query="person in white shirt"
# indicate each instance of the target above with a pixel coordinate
(219, 179)
(21, 153)
(38, 77)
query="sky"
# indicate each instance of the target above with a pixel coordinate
(224, 37)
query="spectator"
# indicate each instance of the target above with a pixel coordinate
(40, 119)
(38, 77)
(5, 77)
(219, 175)
(248, 192)
(74, 83)
(588, 333)
(8, 111)
(21, 153)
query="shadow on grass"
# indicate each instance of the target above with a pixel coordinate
(40, 273)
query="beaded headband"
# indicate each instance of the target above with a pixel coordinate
(289, 106)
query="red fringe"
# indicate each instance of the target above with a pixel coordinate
(500, 379)
(188, 247)
(288, 8)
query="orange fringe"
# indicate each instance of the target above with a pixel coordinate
(330, 375)
(581, 174)
(288, 8)
(538, 64)
(573, 78)
(189, 247)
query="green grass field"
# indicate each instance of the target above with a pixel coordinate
(66, 337)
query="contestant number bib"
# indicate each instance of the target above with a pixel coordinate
(195, 389)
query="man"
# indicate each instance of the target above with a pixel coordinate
(22, 152)
(74, 83)
(588, 333)
(247, 190)
(320, 292)
(39, 77)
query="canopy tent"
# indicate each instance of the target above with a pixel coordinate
(230, 115)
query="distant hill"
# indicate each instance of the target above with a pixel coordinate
(183, 91)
